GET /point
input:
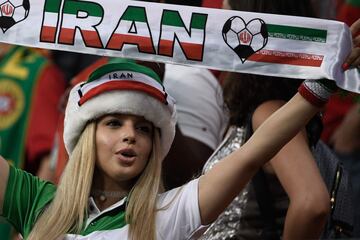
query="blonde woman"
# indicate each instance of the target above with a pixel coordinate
(119, 125)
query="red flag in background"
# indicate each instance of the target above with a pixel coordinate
(212, 3)
(349, 11)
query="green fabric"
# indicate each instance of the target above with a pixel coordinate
(5, 230)
(19, 73)
(19, 70)
(297, 33)
(137, 14)
(123, 66)
(355, 3)
(73, 7)
(173, 18)
(26, 196)
(113, 220)
(52, 6)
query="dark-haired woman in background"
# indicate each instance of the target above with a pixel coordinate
(297, 192)
(298, 202)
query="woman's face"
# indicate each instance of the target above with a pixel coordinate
(124, 144)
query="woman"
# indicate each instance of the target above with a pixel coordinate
(119, 125)
(297, 194)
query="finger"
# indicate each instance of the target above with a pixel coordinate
(355, 27)
(353, 58)
(356, 63)
(356, 41)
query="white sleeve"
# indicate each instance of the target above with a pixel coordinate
(178, 216)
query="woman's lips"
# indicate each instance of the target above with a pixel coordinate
(126, 156)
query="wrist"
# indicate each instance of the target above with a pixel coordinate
(317, 92)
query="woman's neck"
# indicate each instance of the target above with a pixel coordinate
(105, 199)
(106, 192)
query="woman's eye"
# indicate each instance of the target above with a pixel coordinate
(145, 129)
(113, 123)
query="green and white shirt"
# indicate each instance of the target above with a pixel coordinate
(26, 196)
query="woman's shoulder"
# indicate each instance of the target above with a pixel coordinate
(175, 195)
(178, 215)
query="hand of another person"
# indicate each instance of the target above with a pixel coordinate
(353, 60)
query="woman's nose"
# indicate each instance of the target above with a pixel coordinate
(129, 139)
(128, 135)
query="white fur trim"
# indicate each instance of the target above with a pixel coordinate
(118, 101)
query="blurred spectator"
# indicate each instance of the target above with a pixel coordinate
(201, 121)
(325, 8)
(30, 90)
(289, 191)
(342, 120)
(72, 63)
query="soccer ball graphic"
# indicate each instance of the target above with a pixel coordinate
(245, 38)
(12, 12)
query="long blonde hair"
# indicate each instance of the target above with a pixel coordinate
(141, 208)
(68, 210)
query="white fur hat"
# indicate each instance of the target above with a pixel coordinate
(127, 88)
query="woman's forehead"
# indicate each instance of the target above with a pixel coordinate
(132, 117)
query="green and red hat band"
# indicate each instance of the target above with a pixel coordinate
(122, 80)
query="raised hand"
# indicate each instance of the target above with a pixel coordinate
(353, 60)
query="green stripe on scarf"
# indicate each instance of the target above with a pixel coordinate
(73, 7)
(53, 6)
(173, 18)
(134, 14)
(297, 33)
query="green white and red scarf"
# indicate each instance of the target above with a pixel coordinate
(266, 44)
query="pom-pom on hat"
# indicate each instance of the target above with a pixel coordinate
(126, 88)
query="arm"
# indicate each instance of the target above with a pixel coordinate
(299, 175)
(223, 182)
(4, 174)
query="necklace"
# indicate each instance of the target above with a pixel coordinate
(104, 195)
